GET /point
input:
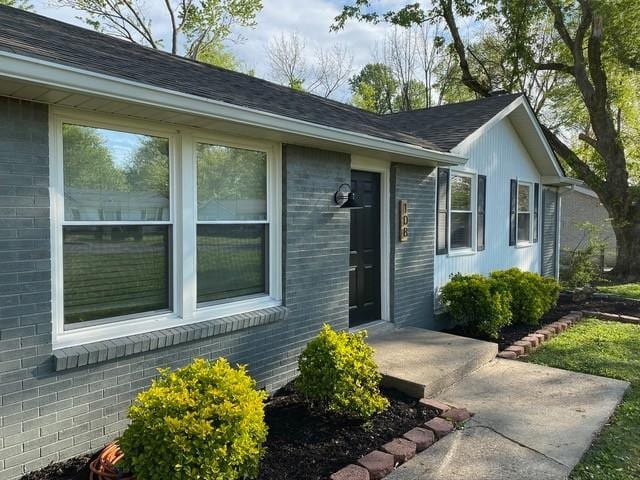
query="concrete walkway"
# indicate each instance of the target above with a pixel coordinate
(531, 423)
(422, 363)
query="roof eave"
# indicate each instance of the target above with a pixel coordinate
(46, 73)
(561, 181)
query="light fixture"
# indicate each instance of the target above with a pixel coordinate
(346, 198)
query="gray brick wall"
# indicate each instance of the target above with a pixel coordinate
(48, 416)
(576, 209)
(412, 261)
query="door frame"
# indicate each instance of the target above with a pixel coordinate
(367, 164)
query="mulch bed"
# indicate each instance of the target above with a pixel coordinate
(303, 444)
(565, 305)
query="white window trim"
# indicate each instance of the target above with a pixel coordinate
(182, 200)
(458, 252)
(524, 243)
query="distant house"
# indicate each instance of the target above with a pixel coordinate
(154, 209)
(579, 206)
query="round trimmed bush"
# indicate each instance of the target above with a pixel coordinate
(532, 295)
(204, 421)
(477, 303)
(338, 373)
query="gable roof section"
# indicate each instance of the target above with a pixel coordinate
(446, 126)
(36, 36)
(90, 62)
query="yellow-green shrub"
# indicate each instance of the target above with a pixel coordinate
(477, 303)
(532, 295)
(204, 421)
(338, 373)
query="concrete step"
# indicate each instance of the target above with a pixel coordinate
(422, 363)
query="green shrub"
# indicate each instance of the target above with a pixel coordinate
(204, 421)
(532, 295)
(580, 264)
(338, 373)
(477, 303)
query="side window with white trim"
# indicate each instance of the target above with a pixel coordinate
(116, 260)
(461, 212)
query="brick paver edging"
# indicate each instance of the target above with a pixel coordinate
(380, 463)
(534, 340)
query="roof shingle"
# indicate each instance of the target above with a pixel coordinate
(32, 35)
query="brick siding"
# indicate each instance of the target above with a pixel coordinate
(48, 416)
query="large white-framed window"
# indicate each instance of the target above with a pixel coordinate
(154, 227)
(462, 208)
(524, 215)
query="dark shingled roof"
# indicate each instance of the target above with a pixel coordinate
(32, 35)
(448, 125)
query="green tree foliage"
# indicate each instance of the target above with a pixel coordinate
(224, 173)
(88, 162)
(579, 63)
(338, 373)
(374, 88)
(197, 28)
(22, 4)
(149, 167)
(202, 422)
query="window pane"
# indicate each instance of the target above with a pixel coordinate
(115, 270)
(117, 176)
(232, 183)
(523, 198)
(461, 230)
(460, 193)
(524, 226)
(231, 261)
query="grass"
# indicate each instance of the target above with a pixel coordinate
(629, 290)
(612, 350)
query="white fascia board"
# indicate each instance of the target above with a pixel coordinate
(33, 70)
(560, 181)
(505, 112)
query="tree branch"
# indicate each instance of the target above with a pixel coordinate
(576, 163)
(555, 66)
(467, 78)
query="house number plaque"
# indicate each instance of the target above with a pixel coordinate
(404, 221)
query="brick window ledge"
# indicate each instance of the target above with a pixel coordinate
(98, 352)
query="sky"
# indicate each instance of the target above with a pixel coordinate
(310, 19)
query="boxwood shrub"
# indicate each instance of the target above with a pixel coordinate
(204, 421)
(338, 374)
(532, 295)
(477, 303)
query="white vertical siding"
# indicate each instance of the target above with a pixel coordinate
(500, 155)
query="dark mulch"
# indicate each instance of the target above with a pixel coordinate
(75, 468)
(566, 304)
(302, 444)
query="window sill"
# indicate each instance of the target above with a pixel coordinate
(98, 352)
(524, 244)
(461, 253)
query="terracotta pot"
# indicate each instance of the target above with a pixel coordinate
(104, 466)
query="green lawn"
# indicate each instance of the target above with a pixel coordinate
(629, 290)
(612, 350)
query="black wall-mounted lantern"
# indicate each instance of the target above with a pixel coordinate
(346, 198)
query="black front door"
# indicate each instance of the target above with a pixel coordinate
(364, 272)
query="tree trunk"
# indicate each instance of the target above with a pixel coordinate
(627, 268)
